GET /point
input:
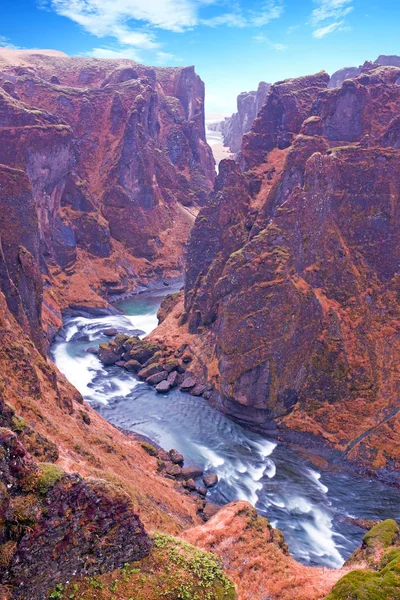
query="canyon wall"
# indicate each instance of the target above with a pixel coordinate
(292, 286)
(116, 160)
(248, 105)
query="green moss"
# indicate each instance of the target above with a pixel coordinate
(149, 448)
(370, 585)
(49, 476)
(18, 424)
(384, 534)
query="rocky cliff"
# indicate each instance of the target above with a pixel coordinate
(248, 105)
(338, 77)
(114, 154)
(291, 292)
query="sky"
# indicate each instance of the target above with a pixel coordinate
(233, 44)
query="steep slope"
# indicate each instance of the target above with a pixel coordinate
(116, 157)
(291, 292)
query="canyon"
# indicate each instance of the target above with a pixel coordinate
(287, 323)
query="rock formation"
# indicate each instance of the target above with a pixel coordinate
(338, 77)
(233, 128)
(291, 291)
(115, 161)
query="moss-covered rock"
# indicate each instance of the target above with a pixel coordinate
(371, 585)
(380, 550)
(174, 570)
(382, 536)
(49, 475)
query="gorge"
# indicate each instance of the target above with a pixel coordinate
(287, 323)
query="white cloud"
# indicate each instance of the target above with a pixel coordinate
(330, 9)
(323, 31)
(5, 43)
(262, 39)
(133, 23)
(267, 12)
(130, 53)
(328, 16)
(166, 57)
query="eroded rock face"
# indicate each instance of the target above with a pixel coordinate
(67, 525)
(292, 267)
(115, 154)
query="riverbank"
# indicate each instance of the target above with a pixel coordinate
(310, 504)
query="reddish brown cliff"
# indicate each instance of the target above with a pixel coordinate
(292, 278)
(117, 162)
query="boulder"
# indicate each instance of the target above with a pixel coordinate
(173, 470)
(143, 351)
(176, 457)
(201, 490)
(173, 379)
(198, 389)
(210, 479)
(110, 332)
(171, 364)
(191, 473)
(152, 369)
(163, 387)
(157, 378)
(92, 350)
(187, 384)
(132, 365)
(108, 354)
(191, 485)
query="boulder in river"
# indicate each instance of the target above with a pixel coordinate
(143, 351)
(198, 389)
(110, 332)
(108, 354)
(191, 473)
(201, 490)
(210, 479)
(176, 457)
(163, 387)
(157, 378)
(132, 365)
(92, 351)
(173, 379)
(152, 369)
(188, 383)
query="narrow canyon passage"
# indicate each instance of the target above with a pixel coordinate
(314, 509)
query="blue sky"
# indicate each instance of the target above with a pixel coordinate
(233, 44)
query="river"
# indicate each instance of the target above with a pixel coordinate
(311, 507)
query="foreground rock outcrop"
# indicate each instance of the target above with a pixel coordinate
(55, 525)
(114, 157)
(291, 293)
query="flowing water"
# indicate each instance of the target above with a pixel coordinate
(309, 506)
